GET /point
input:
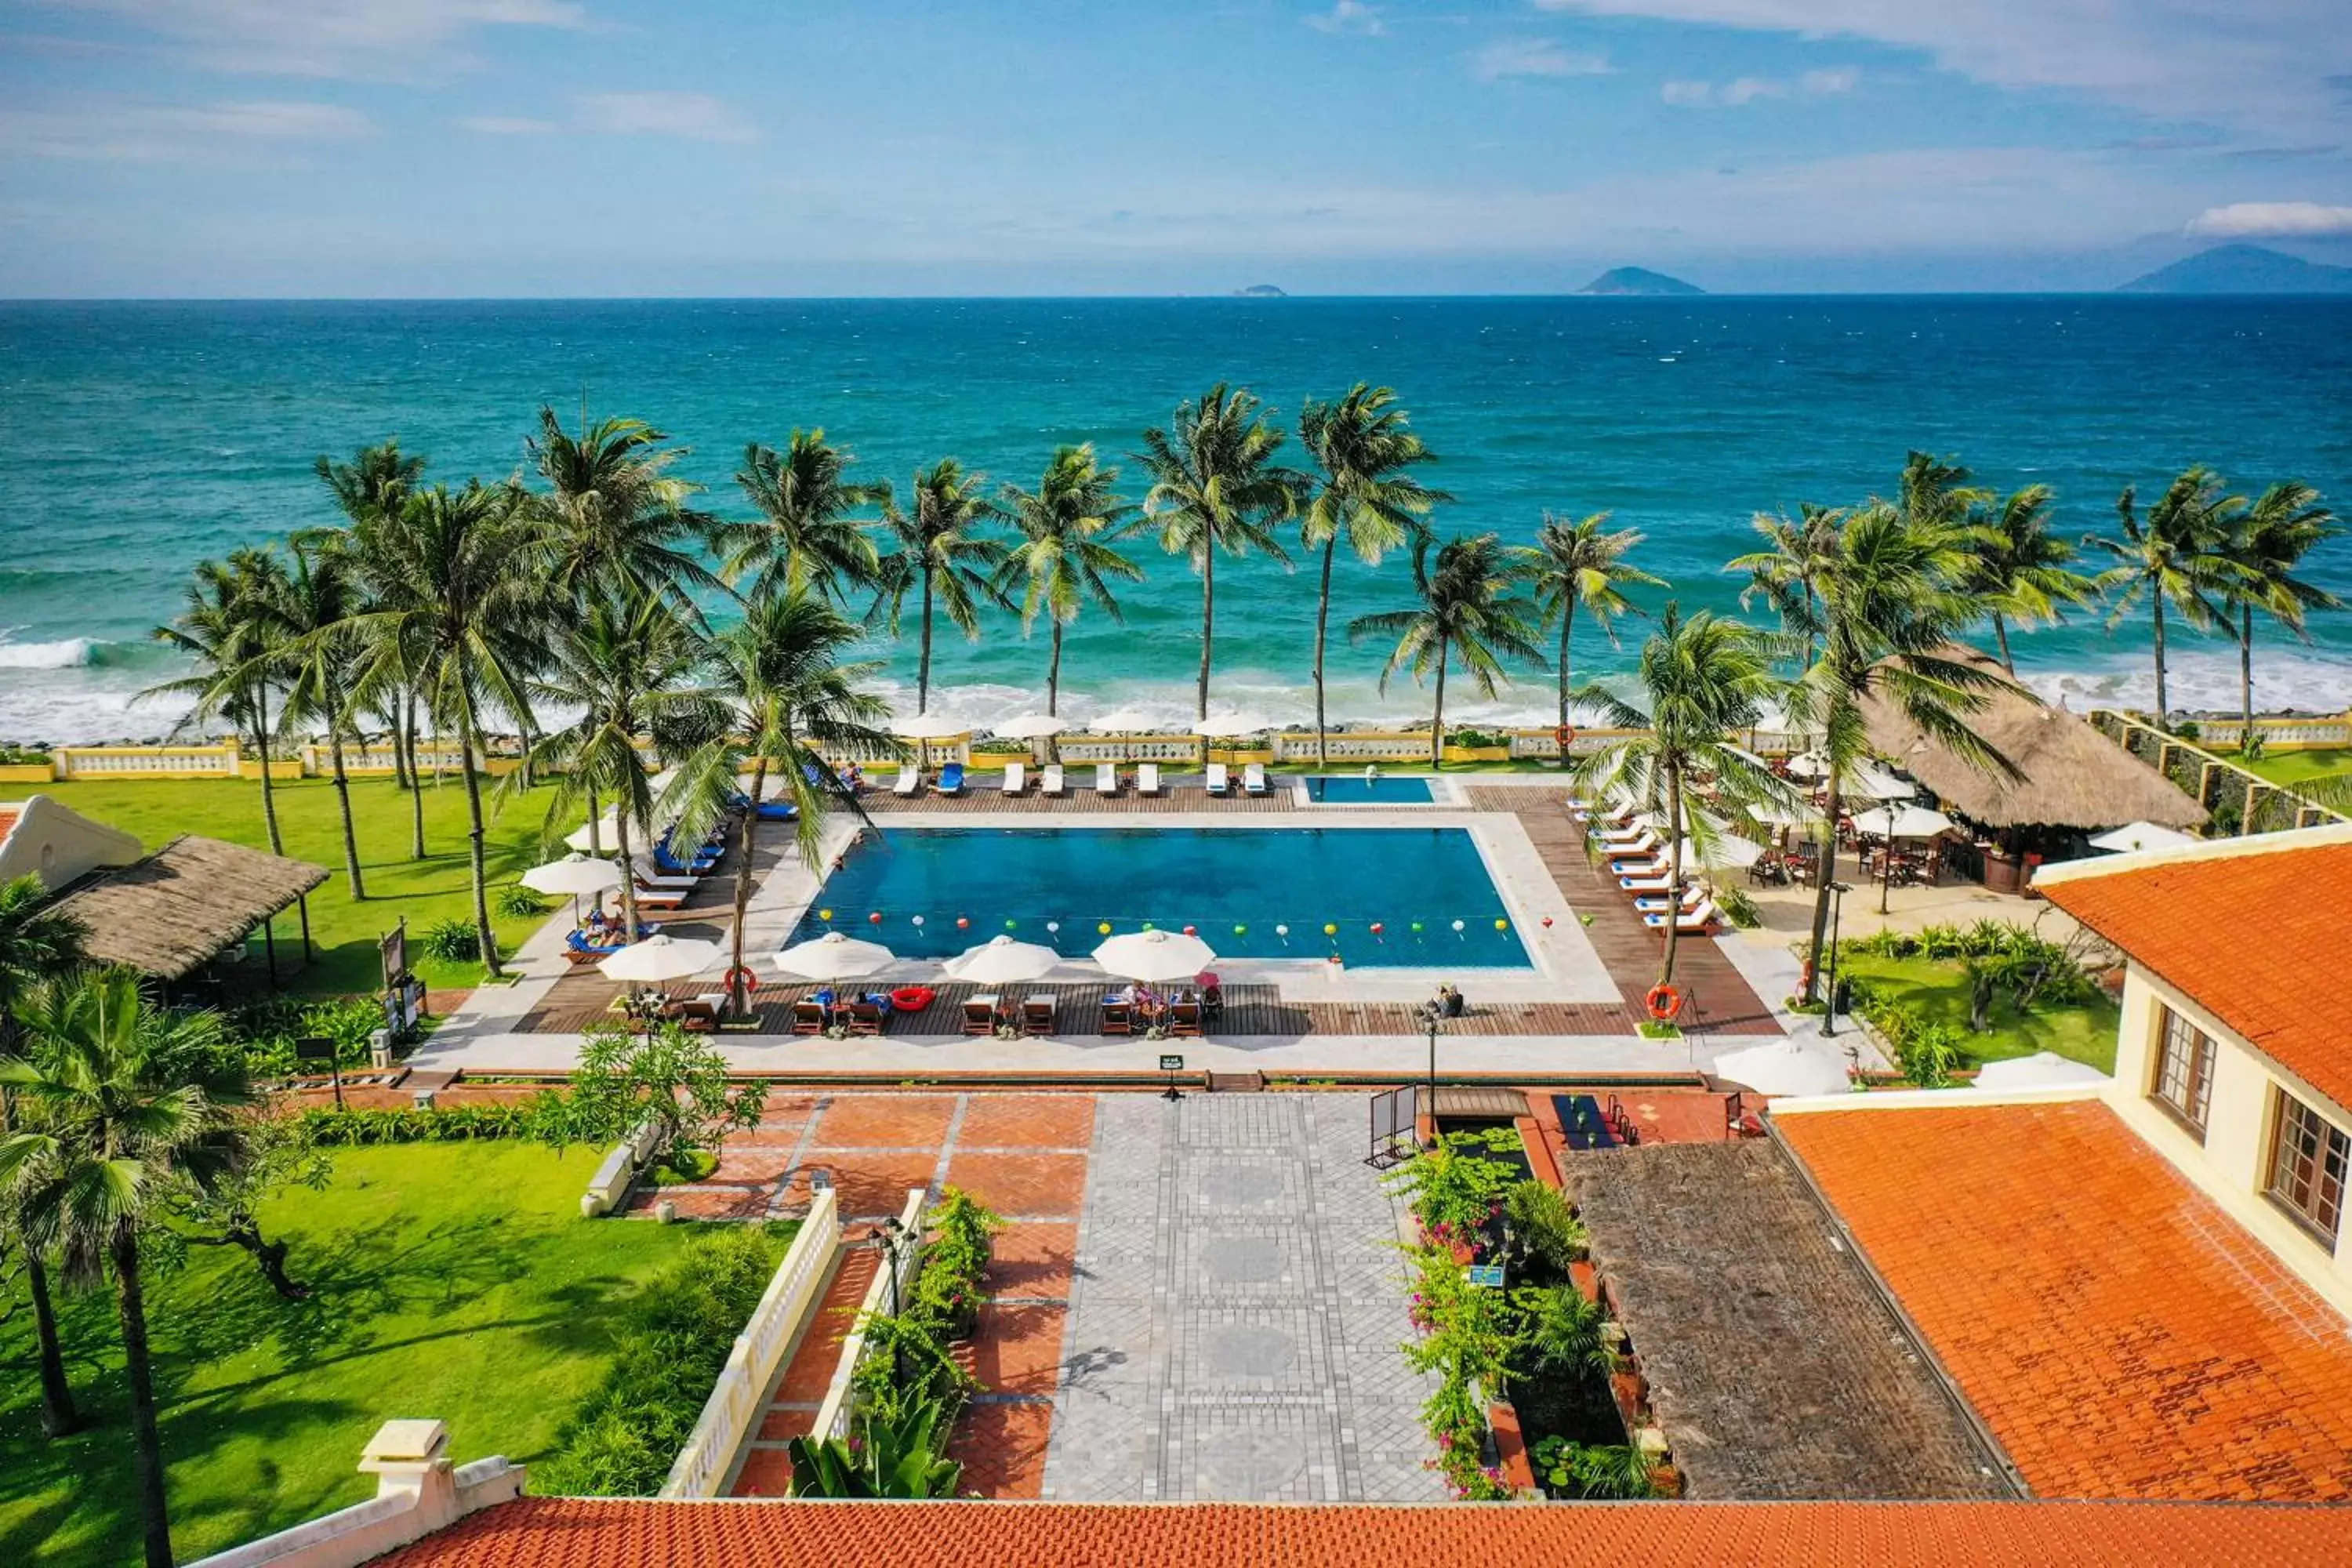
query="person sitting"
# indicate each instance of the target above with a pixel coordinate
(1449, 1001)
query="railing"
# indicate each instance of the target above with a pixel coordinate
(2243, 802)
(151, 761)
(833, 1416)
(1129, 748)
(2279, 733)
(736, 1400)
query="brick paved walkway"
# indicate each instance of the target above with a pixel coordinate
(1236, 1312)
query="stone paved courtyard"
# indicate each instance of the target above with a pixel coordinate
(1235, 1312)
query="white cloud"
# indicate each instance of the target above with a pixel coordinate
(500, 125)
(1838, 78)
(1534, 56)
(140, 133)
(328, 38)
(2272, 220)
(1749, 88)
(1350, 16)
(690, 116)
(1687, 94)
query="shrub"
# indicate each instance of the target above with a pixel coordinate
(452, 942)
(1550, 1233)
(267, 1031)
(1477, 738)
(519, 902)
(22, 757)
(1738, 908)
(1598, 1470)
(441, 1124)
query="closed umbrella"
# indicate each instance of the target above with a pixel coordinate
(575, 874)
(1785, 1068)
(1001, 961)
(1155, 955)
(834, 956)
(661, 958)
(2137, 836)
(2041, 1069)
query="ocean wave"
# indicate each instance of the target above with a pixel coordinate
(70, 652)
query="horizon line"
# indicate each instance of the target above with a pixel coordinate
(1234, 296)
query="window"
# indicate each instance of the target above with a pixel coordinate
(2184, 1071)
(2307, 1167)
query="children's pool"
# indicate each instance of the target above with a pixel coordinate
(1344, 789)
(1239, 887)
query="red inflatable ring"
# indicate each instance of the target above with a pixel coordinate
(750, 981)
(1663, 1002)
(1565, 735)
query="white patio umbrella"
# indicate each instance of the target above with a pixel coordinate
(1155, 955)
(924, 728)
(661, 958)
(575, 874)
(1123, 721)
(2137, 836)
(1729, 852)
(1001, 961)
(1901, 822)
(2042, 1069)
(834, 956)
(1030, 727)
(1808, 766)
(1785, 1067)
(1877, 784)
(607, 839)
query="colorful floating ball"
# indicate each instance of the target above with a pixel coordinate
(1416, 925)
(1241, 931)
(1009, 925)
(1331, 929)
(918, 920)
(963, 922)
(874, 919)
(1458, 925)
(1104, 927)
(1281, 930)
(1191, 931)
(1377, 928)
(1502, 925)
(1546, 922)
(1053, 925)
(825, 914)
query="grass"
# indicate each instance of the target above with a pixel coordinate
(2085, 1033)
(450, 1281)
(343, 931)
(2296, 767)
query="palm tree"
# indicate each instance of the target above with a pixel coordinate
(804, 535)
(1580, 562)
(2267, 542)
(1702, 680)
(1067, 526)
(126, 1101)
(1215, 490)
(321, 593)
(2175, 557)
(1363, 493)
(1888, 608)
(231, 629)
(2018, 570)
(39, 942)
(615, 512)
(455, 584)
(1937, 493)
(786, 698)
(1464, 615)
(940, 552)
(1787, 571)
(369, 489)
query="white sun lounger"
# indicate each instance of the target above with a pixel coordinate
(1220, 780)
(1254, 779)
(1016, 777)
(1640, 866)
(1655, 904)
(1051, 783)
(1147, 778)
(1646, 884)
(1106, 778)
(648, 877)
(1692, 920)
(910, 779)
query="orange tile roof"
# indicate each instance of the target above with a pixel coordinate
(2119, 1334)
(7, 821)
(2256, 938)
(568, 1532)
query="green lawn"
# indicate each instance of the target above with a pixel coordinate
(343, 931)
(2296, 767)
(452, 1280)
(1936, 986)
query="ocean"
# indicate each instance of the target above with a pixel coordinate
(136, 439)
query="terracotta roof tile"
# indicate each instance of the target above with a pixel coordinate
(2121, 1335)
(7, 821)
(560, 1533)
(2257, 938)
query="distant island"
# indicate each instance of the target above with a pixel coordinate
(2242, 269)
(1638, 280)
(1261, 291)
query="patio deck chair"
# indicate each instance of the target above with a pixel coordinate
(695, 1016)
(1185, 1020)
(1648, 884)
(1049, 783)
(1147, 778)
(951, 779)
(1640, 866)
(1655, 904)
(579, 950)
(1254, 779)
(808, 1017)
(979, 1016)
(864, 1018)
(1691, 922)
(1106, 778)
(1016, 777)
(910, 779)
(1037, 1015)
(1220, 782)
(647, 876)
(665, 899)
(1116, 1018)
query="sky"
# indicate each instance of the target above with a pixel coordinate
(414, 148)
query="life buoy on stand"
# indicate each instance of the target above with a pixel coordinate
(1663, 1002)
(750, 981)
(1565, 736)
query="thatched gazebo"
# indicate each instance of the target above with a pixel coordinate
(174, 911)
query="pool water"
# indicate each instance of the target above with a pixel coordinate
(1237, 886)
(1342, 789)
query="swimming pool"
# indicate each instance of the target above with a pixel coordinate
(1344, 789)
(1241, 887)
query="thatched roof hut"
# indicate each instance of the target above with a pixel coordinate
(2073, 776)
(173, 911)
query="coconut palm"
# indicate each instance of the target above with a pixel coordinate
(1701, 681)
(1466, 616)
(2266, 544)
(1937, 492)
(1215, 490)
(2175, 557)
(374, 486)
(2018, 569)
(321, 593)
(1363, 494)
(1889, 605)
(455, 584)
(1067, 527)
(123, 1102)
(804, 534)
(939, 550)
(785, 698)
(38, 941)
(231, 629)
(616, 513)
(1583, 563)
(1787, 573)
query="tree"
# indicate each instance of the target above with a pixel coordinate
(804, 535)
(39, 942)
(1364, 494)
(1067, 526)
(785, 698)
(231, 629)
(2019, 571)
(2267, 542)
(320, 596)
(116, 1121)
(1215, 490)
(2174, 557)
(278, 1154)
(940, 552)
(1581, 563)
(663, 1077)
(1702, 679)
(1888, 608)
(1787, 571)
(455, 586)
(1464, 615)
(617, 517)
(370, 490)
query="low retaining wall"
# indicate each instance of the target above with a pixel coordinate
(616, 1172)
(832, 1416)
(415, 1497)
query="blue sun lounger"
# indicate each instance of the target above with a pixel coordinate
(951, 779)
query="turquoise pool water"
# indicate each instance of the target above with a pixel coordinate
(1344, 789)
(1239, 887)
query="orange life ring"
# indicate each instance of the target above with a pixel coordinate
(1565, 735)
(750, 981)
(1663, 1002)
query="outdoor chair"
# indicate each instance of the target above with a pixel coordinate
(808, 1017)
(1106, 778)
(1185, 1020)
(910, 779)
(1037, 1015)
(1219, 782)
(1254, 779)
(1116, 1018)
(1147, 778)
(1050, 781)
(951, 779)
(1016, 777)
(864, 1018)
(979, 1016)
(696, 1018)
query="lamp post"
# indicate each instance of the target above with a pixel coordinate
(1838, 890)
(1430, 1017)
(890, 1237)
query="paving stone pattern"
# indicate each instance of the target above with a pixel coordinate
(1237, 1310)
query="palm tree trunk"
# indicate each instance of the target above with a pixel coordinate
(147, 1444)
(628, 870)
(2000, 636)
(1674, 869)
(415, 787)
(57, 1413)
(2246, 678)
(1822, 891)
(1054, 675)
(1322, 635)
(401, 776)
(923, 669)
(1437, 715)
(351, 834)
(1208, 619)
(742, 994)
(467, 743)
(1567, 620)
(261, 742)
(2157, 598)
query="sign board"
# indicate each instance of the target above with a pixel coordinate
(1172, 1064)
(1486, 1276)
(395, 947)
(315, 1051)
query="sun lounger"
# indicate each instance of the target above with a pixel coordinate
(647, 876)
(864, 1018)
(1692, 920)
(1116, 1019)
(1106, 778)
(1655, 904)
(1147, 778)
(1016, 777)
(696, 1018)
(808, 1017)
(979, 1016)
(1219, 780)
(778, 811)
(1037, 1015)
(661, 898)
(951, 779)
(1652, 884)
(1639, 866)
(1185, 1020)
(1254, 779)
(910, 779)
(1051, 783)
(580, 949)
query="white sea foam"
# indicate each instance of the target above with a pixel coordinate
(67, 654)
